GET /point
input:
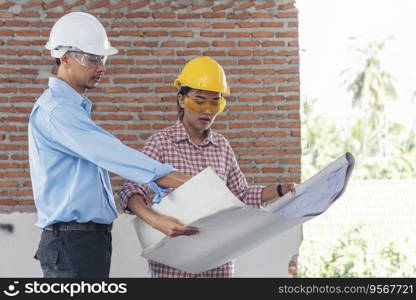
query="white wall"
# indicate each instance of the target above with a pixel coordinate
(17, 250)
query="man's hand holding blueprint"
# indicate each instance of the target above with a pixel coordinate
(228, 228)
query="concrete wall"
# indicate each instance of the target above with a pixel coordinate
(18, 247)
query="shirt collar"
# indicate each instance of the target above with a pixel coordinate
(179, 134)
(71, 94)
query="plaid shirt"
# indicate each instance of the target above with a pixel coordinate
(173, 146)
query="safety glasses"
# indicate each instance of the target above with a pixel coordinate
(88, 60)
(202, 105)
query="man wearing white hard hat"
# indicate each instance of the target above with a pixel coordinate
(70, 157)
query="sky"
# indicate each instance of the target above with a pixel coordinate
(326, 28)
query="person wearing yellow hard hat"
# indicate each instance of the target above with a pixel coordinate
(70, 157)
(191, 145)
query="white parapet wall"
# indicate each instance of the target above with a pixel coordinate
(18, 246)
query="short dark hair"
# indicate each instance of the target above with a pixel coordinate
(58, 62)
(184, 90)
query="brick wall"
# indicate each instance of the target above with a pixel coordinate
(255, 41)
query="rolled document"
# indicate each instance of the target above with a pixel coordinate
(227, 227)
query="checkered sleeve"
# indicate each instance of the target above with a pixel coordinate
(153, 149)
(237, 182)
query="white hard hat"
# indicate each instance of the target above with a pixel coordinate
(79, 31)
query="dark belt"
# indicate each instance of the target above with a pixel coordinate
(88, 226)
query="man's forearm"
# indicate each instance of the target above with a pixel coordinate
(173, 180)
(136, 204)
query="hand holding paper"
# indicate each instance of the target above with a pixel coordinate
(172, 227)
(229, 228)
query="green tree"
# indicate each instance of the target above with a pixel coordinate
(371, 88)
(383, 149)
(357, 252)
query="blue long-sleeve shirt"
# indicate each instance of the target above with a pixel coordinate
(69, 158)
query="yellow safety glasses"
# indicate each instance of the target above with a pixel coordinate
(202, 105)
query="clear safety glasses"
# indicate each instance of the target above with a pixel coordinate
(202, 105)
(88, 60)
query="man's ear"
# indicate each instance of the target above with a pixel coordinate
(64, 60)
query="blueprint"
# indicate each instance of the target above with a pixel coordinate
(227, 227)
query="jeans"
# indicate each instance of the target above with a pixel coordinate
(75, 254)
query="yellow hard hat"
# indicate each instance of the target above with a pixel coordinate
(203, 73)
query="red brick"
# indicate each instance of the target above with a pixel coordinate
(245, 5)
(8, 201)
(262, 15)
(240, 125)
(113, 126)
(164, 15)
(294, 88)
(27, 33)
(6, 15)
(6, 5)
(7, 33)
(239, 52)
(288, 107)
(224, 25)
(269, 4)
(7, 70)
(262, 34)
(273, 170)
(189, 16)
(52, 4)
(266, 160)
(198, 25)
(212, 34)
(237, 34)
(139, 14)
(239, 16)
(182, 33)
(289, 125)
(287, 53)
(156, 33)
(270, 89)
(16, 23)
(220, 7)
(111, 90)
(286, 15)
(98, 4)
(223, 44)
(15, 174)
(248, 43)
(249, 24)
(141, 71)
(188, 53)
(213, 15)
(285, 34)
(172, 24)
(272, 24)
(272, 44)
(203, 4)
(137, 5)
(214, 53)
(120, 4)
(8, 183)
(138, 126)
(287, 6)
